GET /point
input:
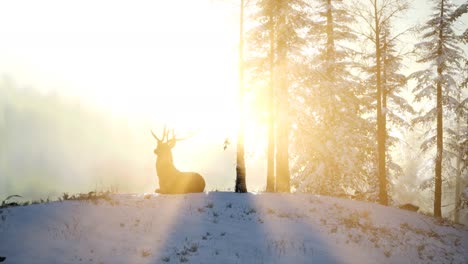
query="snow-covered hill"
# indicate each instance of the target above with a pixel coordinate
(225, 228)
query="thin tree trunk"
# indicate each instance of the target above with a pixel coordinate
(270, 187)
(458, 175)
(282, 154)
(241, 185)
(330, 43)
(440, 143)
(330, 121)
(384, 95)
(383, 196)
(438, 161)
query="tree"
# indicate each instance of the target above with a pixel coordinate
(442, 58)
(241, 185)
(459, 142)
(377, 18)
(271, 184)
(275, 43)
(261, 71)
(282, 103)
(332, 143)
(395, 106)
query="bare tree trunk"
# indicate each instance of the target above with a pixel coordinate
(330, 120)
(383, 196)
(270, 187)
(384, 98)
(458, 175)
(440, 143)
(438, 160)
(241, 185)
(282, 155)
(282, 136)
(330, 43)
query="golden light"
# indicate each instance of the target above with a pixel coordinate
(150, 62)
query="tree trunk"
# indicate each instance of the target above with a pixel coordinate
(456, 216)
(270, 187)
(438, 161)
(383, 196)
(241, 185)
(282, 154)
(440, 143)
(384, 88)
(330, 120)
(330, 43)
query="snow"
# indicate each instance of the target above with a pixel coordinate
(220, 227)
(465, 194)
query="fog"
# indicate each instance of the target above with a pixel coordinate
(51, 144)
(81, 96)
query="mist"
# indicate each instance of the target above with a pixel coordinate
(51, 144)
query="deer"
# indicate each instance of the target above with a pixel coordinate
(171, 180)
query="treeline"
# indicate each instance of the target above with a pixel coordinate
(342, 106)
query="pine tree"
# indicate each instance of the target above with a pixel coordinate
(459, 141)
(261, 72)
(458, 144)
(276, 41)
(331, 145)
(442, 58)
(271, 181)
(377, 17)
(241, 185)
(396, 107)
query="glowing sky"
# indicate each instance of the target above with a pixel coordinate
(132, 57)
(157, 61)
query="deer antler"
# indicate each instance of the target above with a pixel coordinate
(183, 138)
(156, 137)
(163, 137)
(164, 133)
(172, 137)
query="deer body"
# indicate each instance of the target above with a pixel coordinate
(171, 180)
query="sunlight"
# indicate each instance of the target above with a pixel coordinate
(151, 66)
(150, 126)
(161, 65)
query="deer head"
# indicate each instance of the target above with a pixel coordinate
(164, 146)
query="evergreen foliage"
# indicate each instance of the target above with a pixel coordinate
(275, 61)
(332, 143)
(439, 82)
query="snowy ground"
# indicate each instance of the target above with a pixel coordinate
(225, 228)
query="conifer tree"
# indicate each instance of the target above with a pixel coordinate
(377, 17)
(276, 42)
(396, 108)
(458, 143)
(443, 58)
(241, 185)
(332, 143)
